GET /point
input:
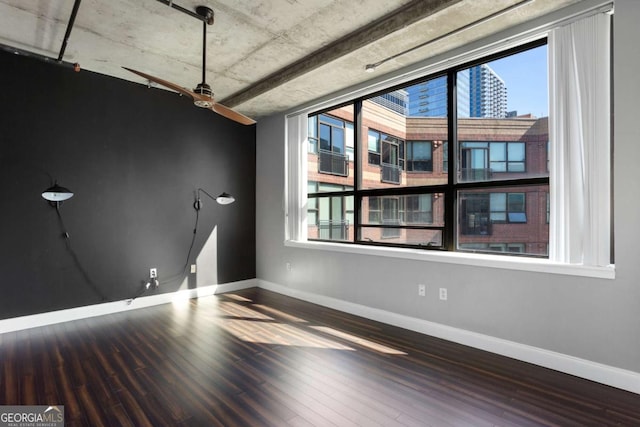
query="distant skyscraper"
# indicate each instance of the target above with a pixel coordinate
(429, 98)
(481, 93)
(396, 101)
(463, 102)
(488, 93)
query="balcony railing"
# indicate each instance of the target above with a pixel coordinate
(333, 229)
(333, 163)
(390, 173)
(475, 174)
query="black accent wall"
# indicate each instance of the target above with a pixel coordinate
(134, 158)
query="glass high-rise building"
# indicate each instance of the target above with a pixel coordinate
(396, 101)
(481, 93)
(429, 98)
(487, 94)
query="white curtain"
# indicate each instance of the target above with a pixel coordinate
(579, 131)
(295, 206)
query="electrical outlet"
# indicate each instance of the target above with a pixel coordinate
(153, 273)
(289, 266)
(422, 290)
(193, 268)
(443, 294)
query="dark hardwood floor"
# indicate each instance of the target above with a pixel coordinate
(255, 358)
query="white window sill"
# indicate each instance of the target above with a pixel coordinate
(480, 260)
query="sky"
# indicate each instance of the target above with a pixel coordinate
(525, 75)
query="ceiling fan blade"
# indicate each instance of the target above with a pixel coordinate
(218, 108)
(230, 114)
(165, 83)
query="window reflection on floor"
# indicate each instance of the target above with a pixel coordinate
(250, 323)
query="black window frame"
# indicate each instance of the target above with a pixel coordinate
(454, 186)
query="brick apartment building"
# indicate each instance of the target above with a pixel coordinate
(408, 152)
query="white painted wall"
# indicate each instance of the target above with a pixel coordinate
(596, 320)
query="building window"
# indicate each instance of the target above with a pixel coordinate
(419, 156)
(475, 216)
(480, 160)
(312, 134)
(390, 217)
(332, 135)
(445, 157)
(508, 207)
(331, 138)
(375, 210)
(419, 209)
(329, 217)
(507, 156)
(385, 148)
(387, 152)
(373, 147)
(474, 161)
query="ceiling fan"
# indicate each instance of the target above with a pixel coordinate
(202, 95)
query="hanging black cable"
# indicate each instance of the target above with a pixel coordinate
(223, 199)
(74, 256)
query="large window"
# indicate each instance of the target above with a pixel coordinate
(403, 190)
(470, 175)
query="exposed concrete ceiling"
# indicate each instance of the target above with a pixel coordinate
(263, 56)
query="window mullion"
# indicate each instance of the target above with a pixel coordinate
(450, 222)
(357, 167)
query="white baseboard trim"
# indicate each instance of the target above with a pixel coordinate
(604, 374)
(59, 316)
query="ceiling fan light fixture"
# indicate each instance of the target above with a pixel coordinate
(206, 99)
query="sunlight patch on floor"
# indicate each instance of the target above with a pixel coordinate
(237, 297)
(250, 324)
(359, 340)
(274, 333)
(279, 313)
(240, 311)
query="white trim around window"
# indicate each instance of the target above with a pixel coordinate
(518, 263)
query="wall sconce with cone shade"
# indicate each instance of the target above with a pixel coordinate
(56, 194)
(223, 199)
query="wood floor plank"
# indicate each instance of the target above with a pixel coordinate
(9, 390)
(92, 411)
(255, 358)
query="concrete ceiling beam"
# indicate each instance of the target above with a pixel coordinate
(410, 13)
